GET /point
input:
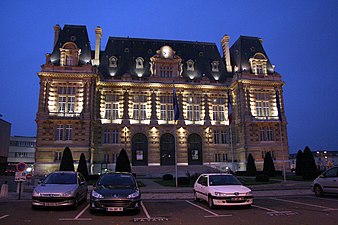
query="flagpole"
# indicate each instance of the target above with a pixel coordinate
(176, 169)
(176, 117)
(280, 132)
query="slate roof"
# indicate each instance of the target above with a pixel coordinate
(77, 34)
(127, 50)
(245, 48)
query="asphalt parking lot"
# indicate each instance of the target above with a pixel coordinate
(304, 209)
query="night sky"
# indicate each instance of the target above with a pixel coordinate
(300, 38)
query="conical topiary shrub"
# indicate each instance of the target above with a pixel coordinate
(82, 167)
(67, 163)
(123, 163)
(250, 166)
(269, 167)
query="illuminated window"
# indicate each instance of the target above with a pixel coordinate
(69, 54)
(190, 65)
(214, 66)
(193, 108)
(139, 63)
(166, 105)
(139, 107)
(112, 107)
(259, 69)
(113, 62)
(63, 132)
(66, 99)
(57, 156)
(258, 64)
(263, 104)
(266, 134)
(218, 109)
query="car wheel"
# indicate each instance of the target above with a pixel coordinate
(318, 191)
(211, 203)
(76, 202)
(195, 197)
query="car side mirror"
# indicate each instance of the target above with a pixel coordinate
(40, 181)
(322, 176)
(83, 183)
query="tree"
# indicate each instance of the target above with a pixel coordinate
(269, 167)
(309, 170)
(250, 166)
(123, 163)
(299, 163)
(67, 163)
(82, 167)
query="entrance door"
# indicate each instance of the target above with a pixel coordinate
(195, 150)
(167, 149)
(139, 150)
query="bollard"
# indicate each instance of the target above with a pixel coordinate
(4, 190)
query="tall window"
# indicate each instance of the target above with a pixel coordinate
(166, 71)
(63, 132)
(266, 134)
(263, 104)
(66, 99)
(139, 107)
(220, 136)
(167, 111)
(110, 136)
(259, 69)
(57, 156)
(112, 107)
(193, 108)
(218, 109)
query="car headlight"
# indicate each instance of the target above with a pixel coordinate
(36, 193)
(134, 195)
(96, 195)
(68, 193)
(248, 193)
(220, 194)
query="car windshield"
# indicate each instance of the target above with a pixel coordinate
(61, 178)
(217, 180)
(117, 181)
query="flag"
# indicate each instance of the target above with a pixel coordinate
(175, 104)
(229, 109)
(278, 106)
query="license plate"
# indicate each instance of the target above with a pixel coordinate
(51, 204)
(115, 209)
(237, 199)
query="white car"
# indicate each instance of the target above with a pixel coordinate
(327, 182)
(220, 189)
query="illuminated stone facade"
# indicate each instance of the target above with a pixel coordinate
(98, 102)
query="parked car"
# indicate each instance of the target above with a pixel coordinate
(327, 182)
(62, 188)
(222, 190)
(115, 192)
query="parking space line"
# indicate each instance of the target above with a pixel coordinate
(302, 203)
(212, 213)
(78, 215)
(272, 212)
(260, 207)
(145, 210)
(3, 217)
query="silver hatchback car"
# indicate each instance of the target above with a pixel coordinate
(327, 182)
(62, 188)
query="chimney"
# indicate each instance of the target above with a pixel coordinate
(226, 52)
(56, 33)
(98, 32)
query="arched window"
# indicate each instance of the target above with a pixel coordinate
(258, 64)
(69, 54)
(113, 62)
(214, 66)
(190, 65)
(139, 63)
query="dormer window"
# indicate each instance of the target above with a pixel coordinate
(69, 54)
(214, 66)
(258, 64)
(139, 63)
(113, 62)
(190, 65)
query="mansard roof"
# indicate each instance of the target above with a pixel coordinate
(244, 49)
(77, 34)
(127, 50)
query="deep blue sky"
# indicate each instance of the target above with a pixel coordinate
(300, 38)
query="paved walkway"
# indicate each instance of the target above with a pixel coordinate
(153, 191)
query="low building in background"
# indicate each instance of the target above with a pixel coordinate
(21, 149)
